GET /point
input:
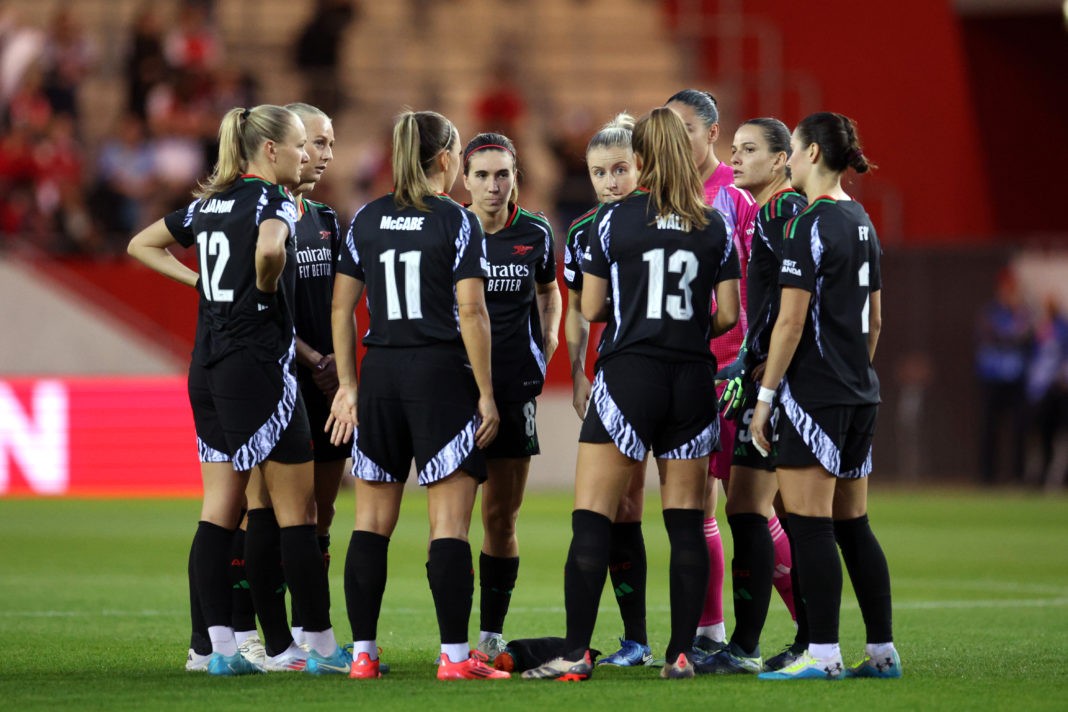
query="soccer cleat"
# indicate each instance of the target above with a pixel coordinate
(885, 666)
(228, 665)
(703, 646)
(681, 669)
(196, 662)
(630, 654)
(363, 668)
(787, 657)
(492, 647)
(337, 663)
(252, 650)
(563, 670)
(732, 660)
(474, 668)
(807, 667)
(292, 660)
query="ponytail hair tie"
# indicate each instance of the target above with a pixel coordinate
(245, 114)
(855, 155)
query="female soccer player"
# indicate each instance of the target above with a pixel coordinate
(819, 367)
(610, 162)
(242, 381)
(524, 305)
(426, 389)
(256, 571)
(664, 253)
(700, 113)
(759, 154)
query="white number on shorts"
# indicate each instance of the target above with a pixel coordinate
(743, 433)
(678, 307)
(865, 281)
(528, 413)
(412, 299)
(216, 245)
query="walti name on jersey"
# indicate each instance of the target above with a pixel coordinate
(389, 223)
(509, 271)
(217, 206)
(672, 222)
(790, 267)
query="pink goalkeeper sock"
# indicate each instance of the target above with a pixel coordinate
(712, 613)
(783, 563)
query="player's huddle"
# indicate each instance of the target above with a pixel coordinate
(464, 312)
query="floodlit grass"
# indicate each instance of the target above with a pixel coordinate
(94, 614)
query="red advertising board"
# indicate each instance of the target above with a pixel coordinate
(97, 437)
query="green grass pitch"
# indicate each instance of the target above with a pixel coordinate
(93, 615)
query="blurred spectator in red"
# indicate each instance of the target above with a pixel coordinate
(60, 187)
(146, 65)
(501, 108)
(317, 53)
(68, 57)
(193, 44)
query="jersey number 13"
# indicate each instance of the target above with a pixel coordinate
(682, 262)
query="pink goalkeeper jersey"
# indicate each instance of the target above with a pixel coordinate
(740, 211)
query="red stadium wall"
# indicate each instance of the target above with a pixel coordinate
(899, 70)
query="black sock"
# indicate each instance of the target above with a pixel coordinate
(452, 582)
(306, 575)
(866, 564)
(800, 612)
(294, 611)
(751, 572)
(584, 575)
(365, 582)
(263, 567)
(198, 638)
(628, 569)
(243, 613)
(820, 572)
(496, 579)
(688, 576)
(211, 572)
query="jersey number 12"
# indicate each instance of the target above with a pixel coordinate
(216, 245)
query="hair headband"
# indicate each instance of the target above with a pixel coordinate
(497, 146)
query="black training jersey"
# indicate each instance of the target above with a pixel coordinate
(520, 254)
(662, 279)
(831, 250)
(410, 261)
(575, 248)
(225, 228)
(762, 278)
(318, 243)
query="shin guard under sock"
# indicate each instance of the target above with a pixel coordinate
(751, 572)
(820, 573)
(688, 575)
(584, 575)
(365, 582)
(452, 583)
(496, 576)
(866, 564)
(628, 568)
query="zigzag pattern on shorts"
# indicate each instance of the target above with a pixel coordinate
(450, 457)
(702, 444)
(621, 432)
(263, 440)
(363, 467)
(812, 435)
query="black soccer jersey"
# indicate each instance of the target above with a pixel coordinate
(662, 278)
(762, 278)
(831, 250)
(318, 242)
(410, 261)
(225, 228)
(520, 254)
(575, 248)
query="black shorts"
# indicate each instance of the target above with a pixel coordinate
(745, 453)
(642, 403)
(517, 435)
(248, 409)
(318, 405)
(417, 402)
(838, 438)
